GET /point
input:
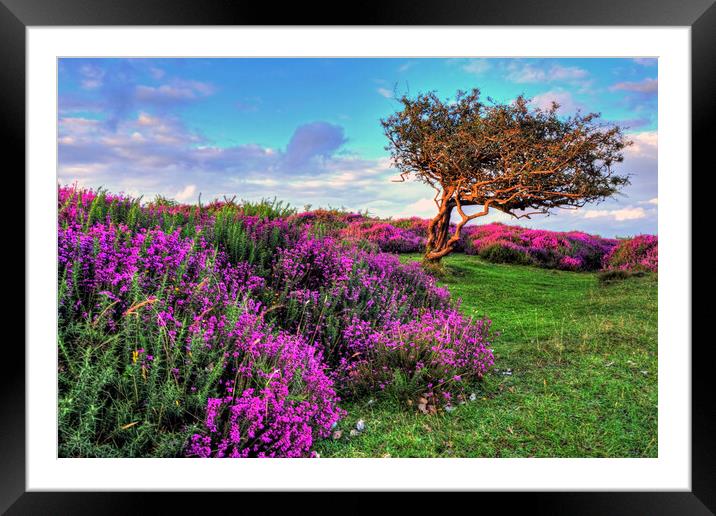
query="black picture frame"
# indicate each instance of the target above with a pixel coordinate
(700, 15)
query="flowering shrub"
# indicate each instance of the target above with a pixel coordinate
(321, 287)
(434, 355)
(416, 225)
(386, 237)
(278, 399)
(513, 244)
(640, 253)
(238, 318)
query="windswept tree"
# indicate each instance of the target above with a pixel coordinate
(507, 157)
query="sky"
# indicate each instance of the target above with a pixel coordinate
(307, 131)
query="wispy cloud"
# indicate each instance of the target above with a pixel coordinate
(157, 73)
(92, 77)
(531, 73)
(647, 85)
(563, 98)
(634, 123)
(618, 215)
(158, 154)
(177, 90)
(187, 194)
(477, 66)
(645, 144)
(117, 95)
(385, 92)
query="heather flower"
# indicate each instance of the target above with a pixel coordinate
(280, 402)
(640, 253)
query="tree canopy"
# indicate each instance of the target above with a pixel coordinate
(504, 156)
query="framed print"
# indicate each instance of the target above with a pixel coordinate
(419, 252)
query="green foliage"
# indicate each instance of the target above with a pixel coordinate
(612, 275)
(267, 208)
(139, 370)
(160, 200)
(230, 233)
(504, 254)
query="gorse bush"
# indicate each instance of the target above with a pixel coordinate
(216, 331)
(505, 253)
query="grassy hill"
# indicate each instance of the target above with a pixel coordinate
(576, 377)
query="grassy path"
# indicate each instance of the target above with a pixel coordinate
(577, 373)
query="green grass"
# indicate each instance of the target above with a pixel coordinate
(583, 382)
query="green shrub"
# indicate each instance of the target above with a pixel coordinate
(613, 275)
(497, 253)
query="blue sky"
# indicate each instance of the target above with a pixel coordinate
(307, 130)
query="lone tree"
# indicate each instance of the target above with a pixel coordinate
(507, 157)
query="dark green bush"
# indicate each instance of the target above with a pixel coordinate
(503, 254)
(613, 275)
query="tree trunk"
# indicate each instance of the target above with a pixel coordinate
(439, 235)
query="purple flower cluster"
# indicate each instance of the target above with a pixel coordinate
(384, 236)
(439, 353)
(278, 401)
(568, 251)
(640, 253)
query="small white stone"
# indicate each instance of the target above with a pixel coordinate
(473, 396)
(360, 425)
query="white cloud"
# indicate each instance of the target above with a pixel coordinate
(425, 208)
(645, 144)
(618, 215)
(187, 194)
(477, 66)
(646, 86)
(157, 73)
(177, 90)
(159, 155)
(567, 73)
(385, 92)
(92, 77)
(563, 98)
(528, 73)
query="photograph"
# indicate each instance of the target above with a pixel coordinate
(357, 257)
